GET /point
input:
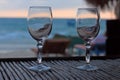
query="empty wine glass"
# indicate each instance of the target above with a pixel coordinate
(39, 26)
(87, 23)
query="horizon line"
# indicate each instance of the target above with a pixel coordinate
(53, 17)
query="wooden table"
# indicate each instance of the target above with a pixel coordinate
(61, 69)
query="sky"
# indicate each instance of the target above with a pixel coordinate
(60, 8)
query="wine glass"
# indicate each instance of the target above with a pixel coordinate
(87, 24)
(39, 26)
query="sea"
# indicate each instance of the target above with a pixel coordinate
(14, 34)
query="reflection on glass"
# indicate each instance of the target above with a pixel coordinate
(39, 27)
(87, 24)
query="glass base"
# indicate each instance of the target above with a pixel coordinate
(39, 68)
(87, 67)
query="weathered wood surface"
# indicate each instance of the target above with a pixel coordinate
(109, 69)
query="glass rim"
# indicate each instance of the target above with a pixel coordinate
(90, 8)
(39, 7)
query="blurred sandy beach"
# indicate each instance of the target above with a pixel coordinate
(17, 54)
(15, 41)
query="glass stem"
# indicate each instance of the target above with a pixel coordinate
(87, 55)
(39, 47)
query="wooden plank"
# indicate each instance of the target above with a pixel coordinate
(19, 72)
(109, 69)
(16, 71)
(28, 73)
(8, 73)
(56, 72)
(59, 58)
(12, 70)
(43, 76)
(1, 74)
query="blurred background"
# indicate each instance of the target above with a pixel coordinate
(15, 39)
